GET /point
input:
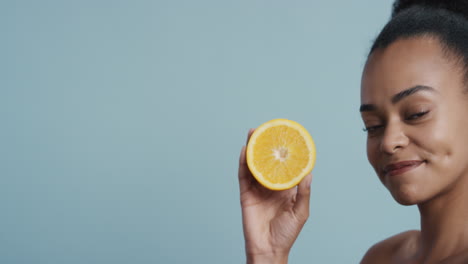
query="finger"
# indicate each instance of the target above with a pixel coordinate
(301, 207)
(245, 177)
(249, 135)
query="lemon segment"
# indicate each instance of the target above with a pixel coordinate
(280, 153)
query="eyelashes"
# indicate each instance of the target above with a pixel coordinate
(412, 117)
(417, 115)
(371, 129)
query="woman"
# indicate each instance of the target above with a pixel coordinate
(414, 97)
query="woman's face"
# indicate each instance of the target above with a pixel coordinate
(416, 114)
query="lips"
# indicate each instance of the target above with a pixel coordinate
(401, 167)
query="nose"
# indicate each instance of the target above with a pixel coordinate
(394, 138)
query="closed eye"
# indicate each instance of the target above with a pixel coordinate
(417, 115)
(372, 129)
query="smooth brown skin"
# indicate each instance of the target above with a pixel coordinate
(439, 138)
(272, 220)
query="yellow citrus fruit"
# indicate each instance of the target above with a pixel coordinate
(280, 153)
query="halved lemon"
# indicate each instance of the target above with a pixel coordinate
(280, 153)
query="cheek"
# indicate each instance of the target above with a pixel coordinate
(445, 149)
(440, 145)
(372, 152)
(434, 143)
(459, 136)
(374, 156)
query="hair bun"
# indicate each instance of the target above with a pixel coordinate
(456, 6)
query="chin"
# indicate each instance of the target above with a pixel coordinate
(406, 201)
(405, 195)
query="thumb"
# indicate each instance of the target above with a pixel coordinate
(301, 207)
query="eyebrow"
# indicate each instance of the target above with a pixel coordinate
(398, 97)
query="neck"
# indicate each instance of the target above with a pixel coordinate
(444, 225)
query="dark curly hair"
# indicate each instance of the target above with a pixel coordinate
(446, 20)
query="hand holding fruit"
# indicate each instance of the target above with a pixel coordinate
(272, 219)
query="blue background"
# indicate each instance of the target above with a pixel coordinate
(122, 123)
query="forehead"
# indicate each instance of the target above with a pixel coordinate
(404, 64)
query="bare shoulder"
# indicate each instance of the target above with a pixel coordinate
(396, 247)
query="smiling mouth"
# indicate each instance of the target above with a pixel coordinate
(401, 167)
